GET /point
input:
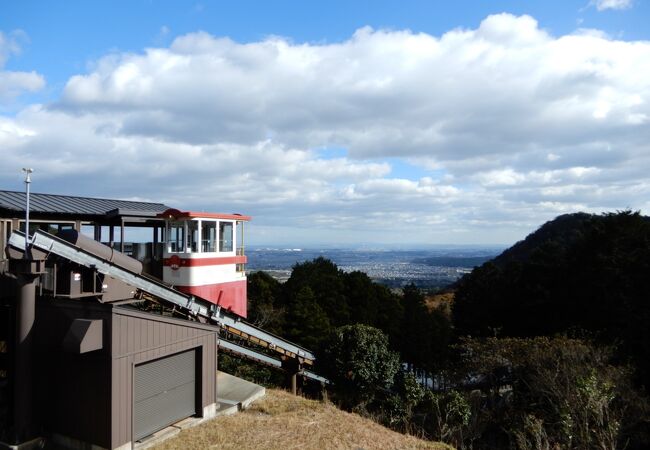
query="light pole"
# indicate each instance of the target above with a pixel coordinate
(27, 272)
(28, 181)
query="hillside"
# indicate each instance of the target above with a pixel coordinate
(563, 231)
(283, 421)
(582, 274)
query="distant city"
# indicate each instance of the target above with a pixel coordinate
(429, 269)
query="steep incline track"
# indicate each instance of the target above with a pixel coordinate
(191, 306)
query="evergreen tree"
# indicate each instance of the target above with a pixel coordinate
(265, 308)
(414, 344)
(307, 323)
(361, 298)
(390, 314)
(325, 280)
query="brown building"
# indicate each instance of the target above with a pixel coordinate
(110, 376)
(101, 374)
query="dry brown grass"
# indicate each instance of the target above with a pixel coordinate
(442, 301)
(283, 421)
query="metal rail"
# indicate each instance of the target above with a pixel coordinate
(193, 305)
(273, 342)
(313, 376)
(248, 353)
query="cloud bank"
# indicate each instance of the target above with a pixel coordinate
(506, 125)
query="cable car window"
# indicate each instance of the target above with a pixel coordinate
(225, 236)
(176, 237)
(192, 236)
(208, 236)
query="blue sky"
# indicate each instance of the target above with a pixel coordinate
(65, 36)
(374, 122)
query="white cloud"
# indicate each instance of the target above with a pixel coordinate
(507, 123)
(14, 83)
(505, 177)
(602, 5)
(380, 93)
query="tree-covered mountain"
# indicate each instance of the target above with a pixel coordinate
(564, 230)
(582, 274)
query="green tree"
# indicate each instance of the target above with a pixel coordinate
(361, 298)
(414, 345)
(390, 314)
(446, 417)
(325, 280)
(439, 335)
(426, 333)
(554, 392)
(399, 406)
(265, 308)
(307, 323)
(357, 360)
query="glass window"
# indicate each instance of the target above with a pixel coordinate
(225, 236)
(176, 237)
(240, 238)
(33, 226)
(208, 236)
(192, 236)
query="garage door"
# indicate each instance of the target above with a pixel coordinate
(164, 392)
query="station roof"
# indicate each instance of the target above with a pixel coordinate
(176, 214)
(12, 202)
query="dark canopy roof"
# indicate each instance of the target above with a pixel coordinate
(14, 203)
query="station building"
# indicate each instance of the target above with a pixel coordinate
(91, 369)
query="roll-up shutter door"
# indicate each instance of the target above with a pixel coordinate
(164, 392)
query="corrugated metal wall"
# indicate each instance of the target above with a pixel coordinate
(89, 397)
(139, 337)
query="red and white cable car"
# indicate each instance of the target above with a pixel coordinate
(204, 256)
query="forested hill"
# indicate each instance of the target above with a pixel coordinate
(580, 274)
(562, 231)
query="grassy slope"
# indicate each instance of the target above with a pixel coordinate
(283, 421)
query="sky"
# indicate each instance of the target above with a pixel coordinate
(346, 123)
